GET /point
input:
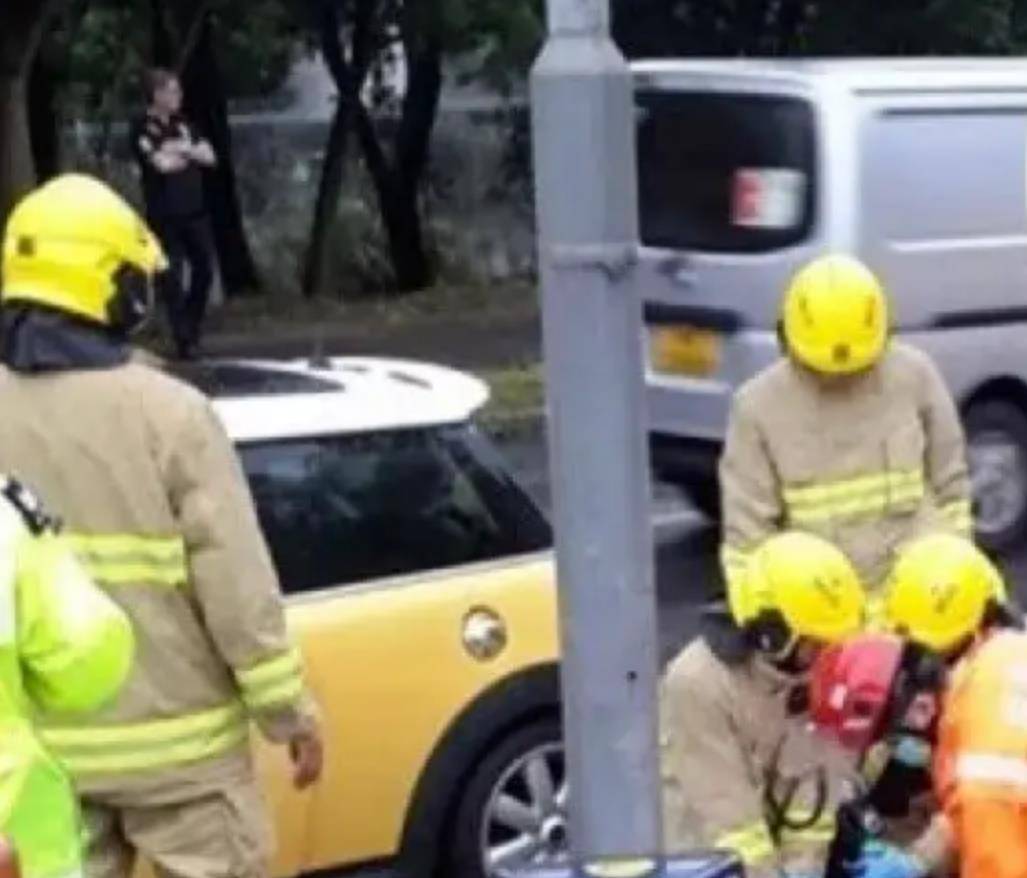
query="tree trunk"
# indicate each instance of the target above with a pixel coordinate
(329, 189)
(398, 205)
(162, 44)
(208, 108)
(410, 260)
(25, 22)
(348, 76)
(17, 174)
(401, 216)
(44, 118)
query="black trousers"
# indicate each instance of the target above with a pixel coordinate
(186, 242)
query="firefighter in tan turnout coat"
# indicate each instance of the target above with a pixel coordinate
(741, 770)
(849, 436)
(154, 498)
(857, 441)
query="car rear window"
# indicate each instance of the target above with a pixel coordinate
(348, 509)
(724, 172)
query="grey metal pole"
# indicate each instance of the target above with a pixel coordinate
(586, 199)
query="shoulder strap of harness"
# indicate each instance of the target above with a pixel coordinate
(29, 507)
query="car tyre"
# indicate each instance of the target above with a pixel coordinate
(997, 453)
(514, 803)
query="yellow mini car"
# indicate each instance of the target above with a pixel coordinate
(420, 586)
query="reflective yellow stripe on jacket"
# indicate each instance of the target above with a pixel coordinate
(752, 843)
(123, 559)
(155, 744)
(959, 515)
(735, 563)
(855, 498)
(275, 681)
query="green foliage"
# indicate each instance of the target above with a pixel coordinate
(103, 48)
(258, 41)
(914, 27)
(106, 45)
(822, 27)
(496, 39)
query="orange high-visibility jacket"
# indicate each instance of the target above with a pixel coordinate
(981, 761)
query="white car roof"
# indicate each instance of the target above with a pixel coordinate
(342, 395)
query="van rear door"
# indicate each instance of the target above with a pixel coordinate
(729, 200)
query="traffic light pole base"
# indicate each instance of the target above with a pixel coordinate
(698, 865)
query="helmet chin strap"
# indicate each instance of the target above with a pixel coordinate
(131, 306)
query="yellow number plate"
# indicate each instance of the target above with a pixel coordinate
(684, 350)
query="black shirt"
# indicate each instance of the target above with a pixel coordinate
(168, 195)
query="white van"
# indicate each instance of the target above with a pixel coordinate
(749, 169)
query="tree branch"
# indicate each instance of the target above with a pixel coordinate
(420, 108)
(329, 25)
(192, 36)
(22, 33)
(362, 42)
(374, 155)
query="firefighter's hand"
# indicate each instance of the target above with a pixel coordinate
(879, 860)
(9, 866)
(203, 154)
(306, 750)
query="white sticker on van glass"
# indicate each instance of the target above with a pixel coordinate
(767, 198)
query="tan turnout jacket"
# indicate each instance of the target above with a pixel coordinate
(868, 463)
(151, 490)
(731, 752)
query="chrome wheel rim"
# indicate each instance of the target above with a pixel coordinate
(525, 819)
(998, 477)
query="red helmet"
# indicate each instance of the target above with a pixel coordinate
(851, 688)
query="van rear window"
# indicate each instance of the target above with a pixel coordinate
(724, 172)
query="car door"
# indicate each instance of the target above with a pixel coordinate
(386, 543)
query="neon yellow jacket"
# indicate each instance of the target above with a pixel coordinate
(65, 647)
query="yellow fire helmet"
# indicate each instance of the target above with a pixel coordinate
(76, 246)
(939, 591)
(835, 316)
(803, 584)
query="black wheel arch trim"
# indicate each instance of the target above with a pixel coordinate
(507, 704)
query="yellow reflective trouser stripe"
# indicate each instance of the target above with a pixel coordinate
(155, 744)
(854, 497)
(752, 843)
(733, 561)
(275, 681)
(959, 514)
(131, 560)
(731, 557)
(822, 830)
(735, 564)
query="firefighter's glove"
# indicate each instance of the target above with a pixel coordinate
(879, 860)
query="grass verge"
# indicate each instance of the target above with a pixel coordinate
(473, 304)
(518, 398)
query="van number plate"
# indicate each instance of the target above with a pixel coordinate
(684, 350)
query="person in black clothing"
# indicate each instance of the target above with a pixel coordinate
(171, 158)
